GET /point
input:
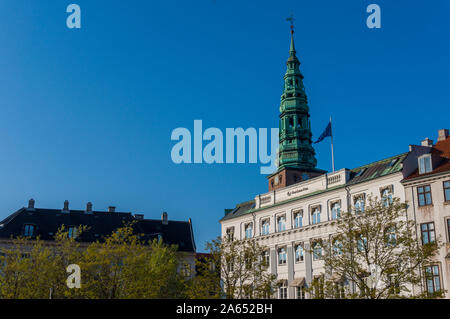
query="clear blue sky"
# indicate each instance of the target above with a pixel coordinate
(86, 115)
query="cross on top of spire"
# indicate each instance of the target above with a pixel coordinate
(291, 20)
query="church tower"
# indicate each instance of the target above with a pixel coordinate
(296, 155)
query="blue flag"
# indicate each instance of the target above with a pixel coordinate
(325, 133)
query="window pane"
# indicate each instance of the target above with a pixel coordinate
(447, 194)
(428, 198)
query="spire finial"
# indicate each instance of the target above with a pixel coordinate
(291, 20)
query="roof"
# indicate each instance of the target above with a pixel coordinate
(441, 150)
(358, 175)
(100, 224)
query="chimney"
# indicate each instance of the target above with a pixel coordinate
(442, 135)
(427, 142)
(66, 206)
(164, 218)
(111, 209)
(31, 204)
(89, 208)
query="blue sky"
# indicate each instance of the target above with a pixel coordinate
(86, 115)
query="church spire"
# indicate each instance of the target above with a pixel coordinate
(296, 149)
(296, 155)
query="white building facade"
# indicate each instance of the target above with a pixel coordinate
(303, 202)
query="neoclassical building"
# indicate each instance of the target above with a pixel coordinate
(303, 202)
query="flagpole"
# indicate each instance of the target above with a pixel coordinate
(332, 151)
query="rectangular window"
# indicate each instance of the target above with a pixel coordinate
(282, 256)
(298, 219)
(432, 279)
(335, 210)
(230, 233)
(428, 233)
(447, 191)
(186, 270)
(359, 204)
(315, 215)
(283, 292)
(72, 232)
(300, 293)
(317, 251)
(448, 229)
(28, 230)
(266, 258)
(425, 164)
(424, 195)
(281, 223)
(386, 196)
(248, 231)
(299, 253)
(265, 227)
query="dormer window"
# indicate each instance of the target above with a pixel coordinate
(425, 164)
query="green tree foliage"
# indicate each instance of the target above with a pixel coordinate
(235, 269)
(376, 249)
(121, 266)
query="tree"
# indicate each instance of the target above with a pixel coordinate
(121, 266)
(241, 268)
(377, 250)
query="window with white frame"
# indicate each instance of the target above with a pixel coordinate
(266, 257)
(391, 236)
(282, 291)
(315, 215)
(248, 230)
(361, 243)
(386, 196)
(265, 224)
(336, 210)
(337, 247)
(317, 251)
(425, 165)
(298, 218)
(230, 233)
(282, 256)
(360, 203)
(300, 292)
(299, 254)
(281, 221)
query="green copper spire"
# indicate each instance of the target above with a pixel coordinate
(295, 149)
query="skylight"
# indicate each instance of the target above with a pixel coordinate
(361, 171)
